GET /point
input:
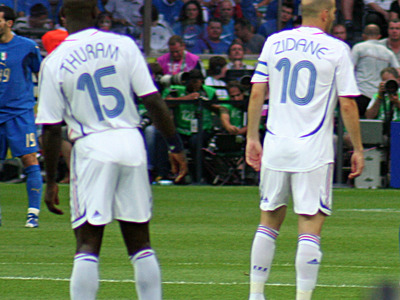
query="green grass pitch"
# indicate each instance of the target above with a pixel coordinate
(202, 236)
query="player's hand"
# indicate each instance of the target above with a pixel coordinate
(254, 154)
(51, 199)
(357, 164)
(179, 165)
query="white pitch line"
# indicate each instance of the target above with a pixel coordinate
(190, 282)
(222, 264)
(374, 210)
(292, 265)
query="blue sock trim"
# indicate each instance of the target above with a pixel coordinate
(309, 238)
(86, 257)
(267, 231)
(142, 254)
(34, 184)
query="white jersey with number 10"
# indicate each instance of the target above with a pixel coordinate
(306, 70)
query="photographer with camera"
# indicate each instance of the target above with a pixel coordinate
(187, 115)
(385, 104)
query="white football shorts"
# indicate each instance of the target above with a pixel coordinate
(311, 191)
(109, 179)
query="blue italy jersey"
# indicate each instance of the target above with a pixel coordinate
(19, 58)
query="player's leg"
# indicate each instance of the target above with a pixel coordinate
(143, 259)
(274, 190)
(21, 136)
(309, 255)
(85, 273)
(34, 184)
(312, 197)
(133, 210)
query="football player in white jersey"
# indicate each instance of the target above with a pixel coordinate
(304, 70)
(89, 82)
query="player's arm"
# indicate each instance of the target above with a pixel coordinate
(253, 144)
(162, 120)
(51, 146)
(351, 120)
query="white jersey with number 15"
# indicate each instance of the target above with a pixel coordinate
(89, 81)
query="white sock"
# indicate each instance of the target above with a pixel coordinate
(308, 260)
(147, 275)
(85, 277)
(262, 254)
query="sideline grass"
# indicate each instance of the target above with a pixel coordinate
(202, 236)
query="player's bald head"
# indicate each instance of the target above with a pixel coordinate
(312, 8)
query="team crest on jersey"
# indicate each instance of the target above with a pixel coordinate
(3, 55)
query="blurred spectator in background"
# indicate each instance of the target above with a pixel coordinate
(24, 6)
(38, 18)
(216, 72)
(252, 42)
(370, 57)
(249, 12)
(125, 16)
(190, 24)
(232, 115)
(54, 10)
(271, 26)
(104, 21)
(169, 10)
(394, 12)
(226, 12)
(272, 8)
(178, 59)
(392, 42)
(160, 32)
(212, 43)
(377, 12)
(236, 55)
(347, 8)
(339, 31)
(53, 38)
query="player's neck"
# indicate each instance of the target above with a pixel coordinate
(6, 37)
(313, 23)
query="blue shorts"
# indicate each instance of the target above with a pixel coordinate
(19, 133)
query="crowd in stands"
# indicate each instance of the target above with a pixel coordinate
(226, 30)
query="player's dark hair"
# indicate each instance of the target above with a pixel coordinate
(9, 14)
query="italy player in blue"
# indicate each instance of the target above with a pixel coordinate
(19, 58)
